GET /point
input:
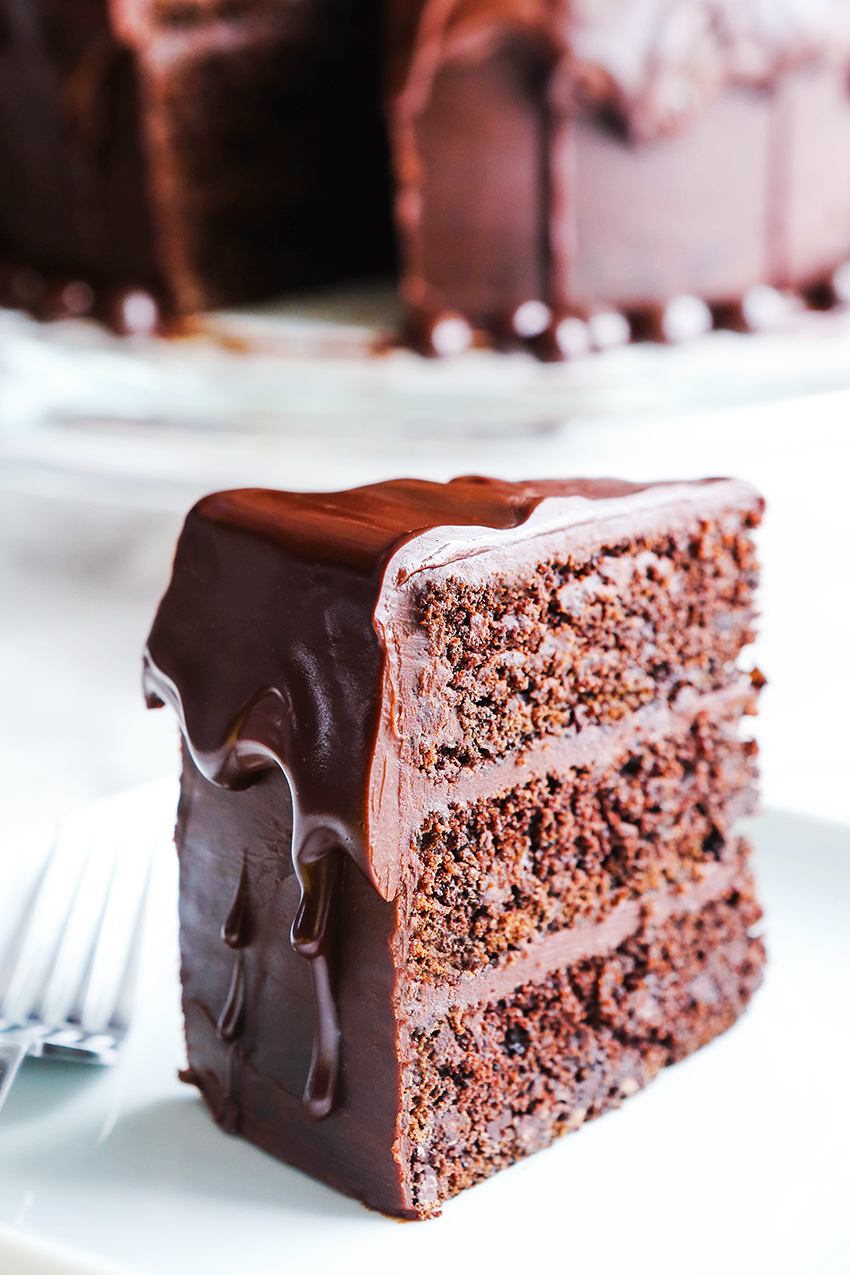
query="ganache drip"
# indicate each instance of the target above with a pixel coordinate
(229, 1025)
(318, 864)
(257, 742)
(234, 930)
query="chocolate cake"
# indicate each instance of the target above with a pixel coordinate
(646, 162)
(558, 160)
(199, 151)
(458, 859)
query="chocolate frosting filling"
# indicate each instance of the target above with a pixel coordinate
(581, 941)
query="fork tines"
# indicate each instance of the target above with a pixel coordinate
(67, 975)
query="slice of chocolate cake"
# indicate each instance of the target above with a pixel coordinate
(458, 865)
(207, 151)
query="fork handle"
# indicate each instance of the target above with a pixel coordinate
(12, 1054)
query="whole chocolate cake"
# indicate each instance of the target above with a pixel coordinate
(555, 160)
(458, 865)
(558, 158)
(206, 151)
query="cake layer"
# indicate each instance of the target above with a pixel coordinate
(423, 1001)
(490, 1084)
(579, 642)
(593, 748)
(492, 875)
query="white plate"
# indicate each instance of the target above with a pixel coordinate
(735, 1160)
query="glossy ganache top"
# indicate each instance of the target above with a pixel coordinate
(360, 528)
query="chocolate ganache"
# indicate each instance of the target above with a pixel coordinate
(272, 644)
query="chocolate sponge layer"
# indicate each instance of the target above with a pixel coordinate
(496, 874)
(489, 1085)
(578, 643)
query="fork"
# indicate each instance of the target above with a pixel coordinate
(68, 972)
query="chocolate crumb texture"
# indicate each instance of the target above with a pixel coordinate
(577, 644)
(486, 1086)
